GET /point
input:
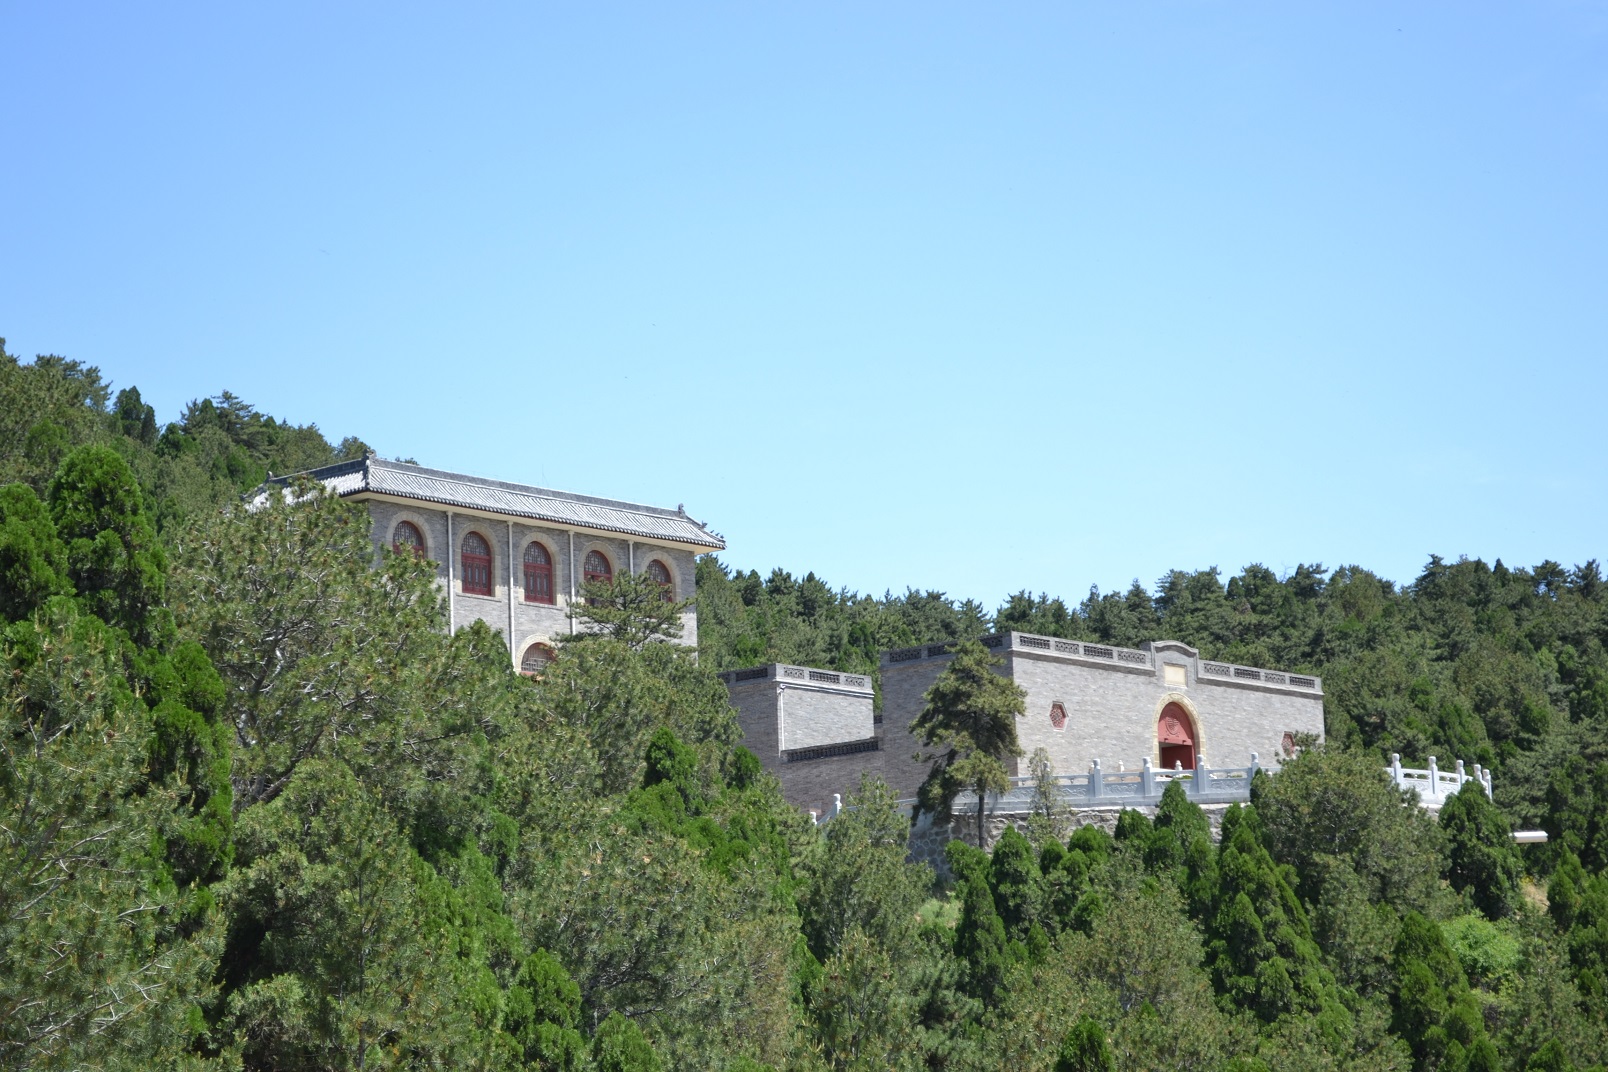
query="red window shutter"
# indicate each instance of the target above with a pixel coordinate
(476, 565)
(659, 574)
(538, 574)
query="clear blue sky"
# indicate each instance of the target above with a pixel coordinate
(961, 296)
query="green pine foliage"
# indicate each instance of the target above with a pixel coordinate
(744, 619)
(1483, 862)
(1020, 893)
(102, 960)
(981, 942)
(1085, 1049)
(1259, 942)
(33, 561)
(620, 1046)
(113, 558)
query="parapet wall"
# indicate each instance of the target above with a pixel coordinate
(814, 729)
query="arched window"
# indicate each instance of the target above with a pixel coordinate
(536, 659)
(538, 574)
(659, 574)
(476, 565)
(597, 567)
(407, 537)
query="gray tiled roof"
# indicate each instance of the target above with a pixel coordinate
(377, 476)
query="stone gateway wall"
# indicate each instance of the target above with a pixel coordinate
(1084, 703)
(1088, 702)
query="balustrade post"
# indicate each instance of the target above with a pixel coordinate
(1434, 778)
(1487, 783)
(1395, 769)
(1096, 777)
(1478, 776)
(1200, 780)
(1147, 780)
(1461, 776)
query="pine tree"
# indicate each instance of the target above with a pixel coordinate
(859, 876)
(1180, 845)
(1047, 820)
(970, 716)
(113, 558)
(632, 609)
(620, 1046)
(981, 943)
(1482, 860)
(95, 968)
(33, 561)
(1018, 885)
(863, 1012)
(335, 958)
(544, 1011)
(1085, 1049)
(1434, 1010)
(1260, 947)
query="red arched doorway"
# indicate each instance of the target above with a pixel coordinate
(1176, 735)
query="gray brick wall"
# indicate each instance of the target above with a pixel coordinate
(811, 785)
(904, 688)
(813, 717)
(781, 715)
(755, 703)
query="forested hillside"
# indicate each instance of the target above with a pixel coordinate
(258, 811)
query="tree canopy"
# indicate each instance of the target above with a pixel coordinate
(258, 810)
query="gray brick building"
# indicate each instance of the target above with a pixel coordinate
(1161, 703)
(516, 556)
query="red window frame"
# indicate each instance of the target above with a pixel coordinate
(476, 558)
(398, 543)
(659, 574)
(538, 574)
(598, 568)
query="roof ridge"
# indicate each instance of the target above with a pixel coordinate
(372, 475)
(535, 491)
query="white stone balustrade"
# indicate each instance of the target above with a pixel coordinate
(1432, 784)
(1100, 788)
